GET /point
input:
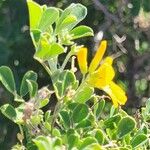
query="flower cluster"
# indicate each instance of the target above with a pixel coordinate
(100, 73)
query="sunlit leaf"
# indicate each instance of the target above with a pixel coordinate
(7, 79)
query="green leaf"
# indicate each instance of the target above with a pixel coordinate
(29, 76)
(87, 141)
(84, 94)
(99, 107)
(48, 51)
(66, 22)
(33, 88)
(47, 126)
(73, 140)
(47, 116)
(9, 111)
(49, 16)
(84, 124)
(59, 86)
(93, 146)
(35, 120)
(66, 118)
(43, 143)
(124, 148)
(35, 13)
(20, 113)
(71, 131)
(125, 126)
(72, 105)
(56, 132)
(81, 31)
(99, 136)
(80, 112)
(43, 102)
(69, 80)
(139, 140)
(58, 142)
(111, 122)
(35, 35)
(112, 110)
(77, 10)
(7, 79)
(65, 82)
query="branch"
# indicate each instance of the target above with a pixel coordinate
(101, 7)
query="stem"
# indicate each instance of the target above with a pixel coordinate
(45, 66)
(21, 130)
(55, 114)
(66, 60)
(83, 78)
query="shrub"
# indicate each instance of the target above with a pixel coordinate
(81, 119)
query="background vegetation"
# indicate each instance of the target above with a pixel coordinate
(124, 23)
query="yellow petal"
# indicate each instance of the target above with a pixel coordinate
(98, 56)
(119, 93)
(116, 93)
(102, 77)
(108, 60)
(82, 60)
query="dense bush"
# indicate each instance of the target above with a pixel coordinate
(81, 118)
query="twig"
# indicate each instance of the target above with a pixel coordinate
(101, 7)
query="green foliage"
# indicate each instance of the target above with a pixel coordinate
(45, 37)
(138, 140)
(64, 82)
(81, 31)
(27, 79)
(7, 79)
(84, 94)
(78, 110)
(75, 123)
(47, 51)
(9, 111)
(125, 126)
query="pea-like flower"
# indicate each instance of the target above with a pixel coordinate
(100, 73)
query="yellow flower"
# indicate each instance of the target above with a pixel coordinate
(117, 95)
(98, 56)
(101, 76)
(82, 58)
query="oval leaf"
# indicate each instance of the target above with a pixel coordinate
(33, 88)
(73, 140)
(80, 112)
(49, 16)
(125, 126)
(88, 141)
(84, 94)
(9, 112)
(84, 124)
(66, 118)
(43, 143)
(66, 22)
(139, 140)
(48, 51)
(31, 76)
(35, 14)
(81, 31)
(77, 10)
(7, 79)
